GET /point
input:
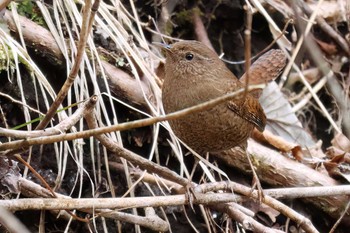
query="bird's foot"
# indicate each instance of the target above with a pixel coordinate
(256, 181)
(190, 194)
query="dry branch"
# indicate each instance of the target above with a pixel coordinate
(279, 171)
(40, 197)
(60, 128)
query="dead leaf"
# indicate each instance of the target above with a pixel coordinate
(329, 10)
(338, 171)
(338, 159)
(281, 120)
(335, 152)
(329, 49)
(9, 174)
(342, 142)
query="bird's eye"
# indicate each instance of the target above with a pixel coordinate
(189, 56)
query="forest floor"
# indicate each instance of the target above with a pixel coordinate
(82, 126)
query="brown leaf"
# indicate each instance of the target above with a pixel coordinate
(335, 152)
(342, 142)
(338, 171)
(338, 158)
(329, 49)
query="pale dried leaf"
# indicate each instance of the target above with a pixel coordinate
(329, 10)
(9, 174)
(342, 142)
(281, 119)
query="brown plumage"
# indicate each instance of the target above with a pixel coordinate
(195, 74)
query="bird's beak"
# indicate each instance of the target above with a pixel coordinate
(166, 47)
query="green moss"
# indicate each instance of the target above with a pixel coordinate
(184, 17)
(30, 10)
(3, 58)
(120, 62)
(168, 28)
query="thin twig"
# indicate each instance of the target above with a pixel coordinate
(143, 163)
(61, 127)
(305, 82)
(42, 180)
(265, 49)
(21, 103)
(336, 224)
(327, 28)
(124, 126)
(247, 46)
(84, 33)
(248, 222)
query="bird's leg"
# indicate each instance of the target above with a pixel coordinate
(190, 193)
(256, 181)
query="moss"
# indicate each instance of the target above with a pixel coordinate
(184, 17)
(30, 10)
(4, 58)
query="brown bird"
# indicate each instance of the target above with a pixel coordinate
(195, 74)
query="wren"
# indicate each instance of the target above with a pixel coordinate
(195, 74)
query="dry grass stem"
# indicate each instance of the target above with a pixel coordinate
(123, 126)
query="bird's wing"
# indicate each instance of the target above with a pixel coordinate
(249, 109)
